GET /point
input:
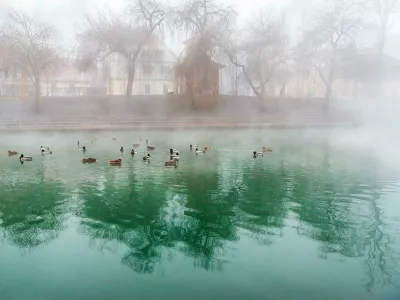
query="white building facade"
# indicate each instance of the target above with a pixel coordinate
(153, 72)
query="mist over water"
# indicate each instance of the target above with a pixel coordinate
(317, 218)
(222, 224)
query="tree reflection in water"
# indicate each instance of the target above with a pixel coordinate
(263, 202)
(208, 222)
(147, 244)
(126, 214)
(330, 203)
(339, 209)
(32, 214)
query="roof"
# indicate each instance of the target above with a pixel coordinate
(189, 61)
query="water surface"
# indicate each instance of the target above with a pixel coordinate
(316, 219)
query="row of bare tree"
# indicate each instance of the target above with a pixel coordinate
(261, 49)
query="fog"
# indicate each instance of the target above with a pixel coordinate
(282, 62)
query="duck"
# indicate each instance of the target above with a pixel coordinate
(207, 148)
(82, 149)
(147, 157)
(121, 149)
(265, 149)
(193, 146)
(175, 156)
(172, 151)
(171, 163)
(25, 158)
(44, 148)
(116, 162)
(46, 152)
(151, 148)
(136, 145)
(255, 154)
(11, 153)
(89, 160)
(114, 139)
(199, 151)
(133, 152)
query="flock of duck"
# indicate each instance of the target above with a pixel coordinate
(173, 161)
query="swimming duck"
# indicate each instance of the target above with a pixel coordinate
(207, 148)
(121, 149)
(255, 154)
(11, 153)
(173, 151)
(147, 157)
(151, 148)
(46, 152)
(171, 163)
(116, 162)
(44, 148)
(25, 158)
(175, 156)
(199, 151)
(133, 152)
(89, 160)
(265, 149)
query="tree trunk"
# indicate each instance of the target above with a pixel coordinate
(259, 95)
(328, 94)
(38, 92)
(381, 71)
(131, 76)
(282, 93)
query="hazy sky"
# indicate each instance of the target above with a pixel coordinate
(66, 14)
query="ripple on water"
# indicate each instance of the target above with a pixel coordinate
(220, 209)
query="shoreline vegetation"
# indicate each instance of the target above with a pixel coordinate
(165, 112)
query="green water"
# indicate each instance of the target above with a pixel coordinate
(319, 218)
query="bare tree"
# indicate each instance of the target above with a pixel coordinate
(104, 34)
(332, 41)
(7, 56)
(33, 45)
(261, 53)
(383, 13)
(206, 20)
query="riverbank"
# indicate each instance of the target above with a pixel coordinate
(169, 125)
(163, 112)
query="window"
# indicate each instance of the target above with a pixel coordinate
(147, 70)
(147, 88)
(165, 89)
(165, 72)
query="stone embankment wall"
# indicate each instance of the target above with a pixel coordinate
(104, 112)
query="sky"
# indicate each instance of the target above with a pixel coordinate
(66, 14)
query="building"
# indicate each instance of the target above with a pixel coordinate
(153, 71)
(197, 76)
(356, 77)
(67, 80)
